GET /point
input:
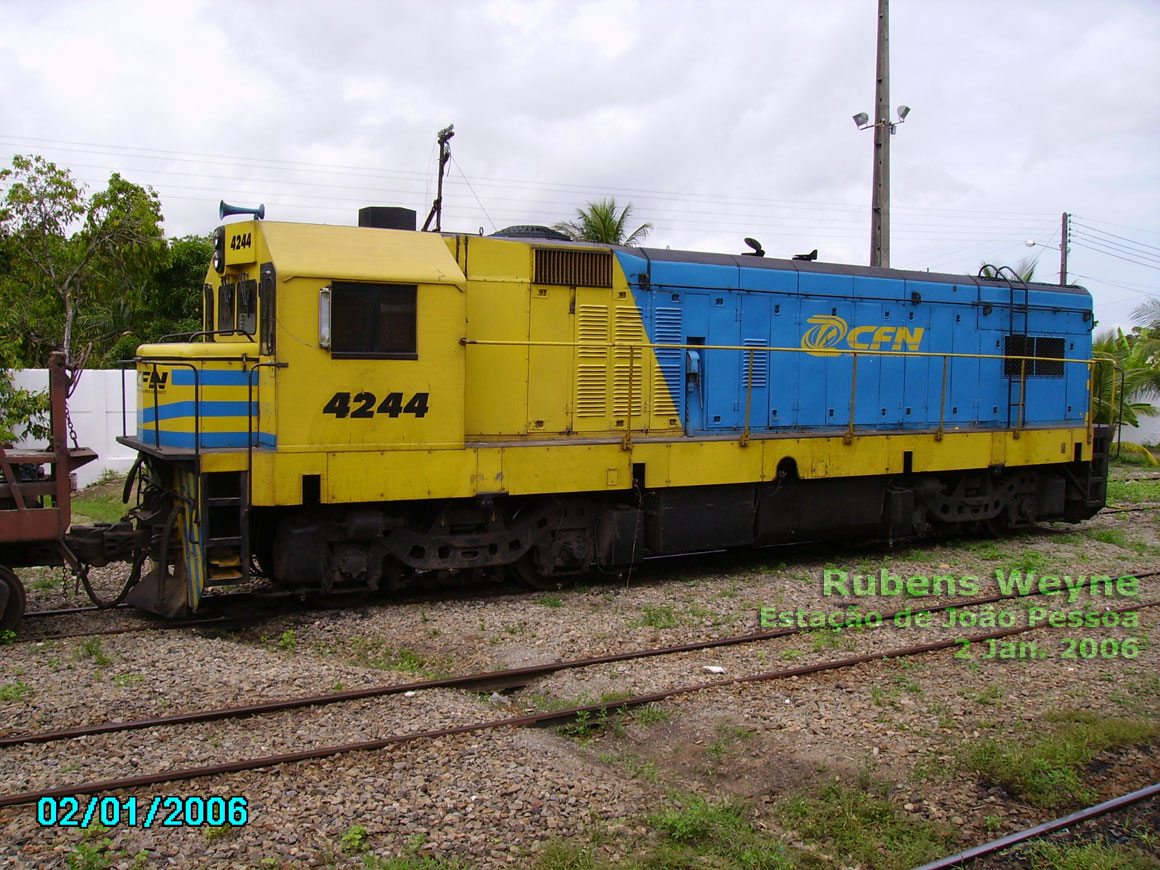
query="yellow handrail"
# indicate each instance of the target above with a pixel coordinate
(829, 352)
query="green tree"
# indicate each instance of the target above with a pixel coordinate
(22, 412)
(67, 254)
(603, 222)
(164, 302)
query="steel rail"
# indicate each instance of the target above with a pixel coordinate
(73, 611)
(960, 858)
(205, 622)
(538, 719)
(485, 681)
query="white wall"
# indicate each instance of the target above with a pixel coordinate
(95, 408)
(1148, 433)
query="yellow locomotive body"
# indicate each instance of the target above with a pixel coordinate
(366, 406)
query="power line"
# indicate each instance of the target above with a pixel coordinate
(473, 193)
(1122, 238)
(1115, 256)
(1151, 232)
(1127, 287)
(1131, 244)
(1112, 247)
(221, 159)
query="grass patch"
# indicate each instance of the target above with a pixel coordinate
(550, 600)
(989, 696)
(823, 639)
(857, 826)
(1133, 491)
(633, 766)
(1088, 856)
(650, 714)
(1116, 537)
(91, 649)
(588, 724)
(15, 691)
(658, 617)
(564, 855)
(1049, 772)
(376, 654)
(354, 840)
(694, 832)
(412, 862)
(729, 735)
(100, 502)
(1029, 560)
(984, 550)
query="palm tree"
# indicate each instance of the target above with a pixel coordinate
(1133, 380)
(1024, 271)
(602, 222)
(1148, 314)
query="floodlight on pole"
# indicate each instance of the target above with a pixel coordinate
(862, 120)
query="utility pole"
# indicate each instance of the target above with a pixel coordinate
(880, 205)
(1063, 240)
(884, 128)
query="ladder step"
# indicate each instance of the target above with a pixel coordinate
(232, 541)
(223, 579)
(225, 500)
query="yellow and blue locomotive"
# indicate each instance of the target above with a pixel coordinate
(370, 406)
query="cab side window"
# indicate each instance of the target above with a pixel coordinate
(373, 320)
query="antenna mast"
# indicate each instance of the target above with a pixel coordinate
(444, 155)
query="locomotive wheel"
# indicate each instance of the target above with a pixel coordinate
(528, 575)
(12, 599)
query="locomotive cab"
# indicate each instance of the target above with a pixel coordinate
(324, 350)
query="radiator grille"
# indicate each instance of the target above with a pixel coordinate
(591, 390)
(667, 376)
(592, 362)
(628, 369)
(573, 268)
(760, 364)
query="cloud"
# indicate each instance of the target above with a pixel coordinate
(717, 119)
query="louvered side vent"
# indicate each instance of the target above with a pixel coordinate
(760, 364)
(592, 361)
(628, 368)
(668, 329)
(573, 268)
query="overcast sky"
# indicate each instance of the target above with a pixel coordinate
(717, 120)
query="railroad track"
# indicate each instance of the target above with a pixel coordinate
(160, 625)
(960, 859)
(480, 682)
(1129, 510)
(213, 600)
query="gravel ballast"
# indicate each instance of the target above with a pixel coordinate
(493, 798)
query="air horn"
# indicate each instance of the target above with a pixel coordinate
(225, 209)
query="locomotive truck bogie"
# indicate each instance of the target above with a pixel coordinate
(371, 407)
